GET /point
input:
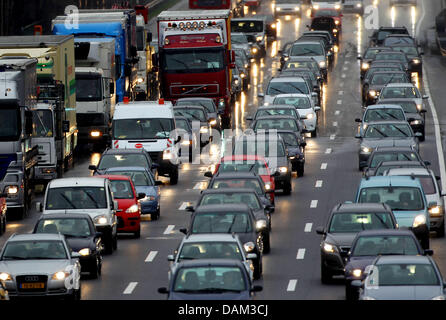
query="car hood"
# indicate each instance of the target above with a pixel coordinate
(21, 267)
(359, 262)
(405, 218)
(404, 292)
(275, 162)
(209, 296)
(148, 190)
(92, 212)
(79, 243)
(388, 142)
(341, 239)
(415, 116)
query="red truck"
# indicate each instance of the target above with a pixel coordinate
(195, 57)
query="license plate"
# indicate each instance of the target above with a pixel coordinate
(35, 285)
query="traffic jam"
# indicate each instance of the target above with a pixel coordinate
(225, 150)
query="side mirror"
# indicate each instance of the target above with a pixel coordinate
(183, 230)
(317, 108)
(358, 136)
(256, 289)
(276, 174)
(303, 144)
(410, 119)
(163, 290)
(75, 255)
(170, 257)
(190, 209)
(149, 37)
(251, 256)
(98, 235)
(359, 57)
(320, 230)
(425, 97)
(358, 120)
(115, 205)
(249, 118)
(261, 95)
(141, 195)
(428, 252)
(427, 163)
(423, 111)
(92, 167)
(208, 174)
(155, 166)
(158, 183)
(418, 134)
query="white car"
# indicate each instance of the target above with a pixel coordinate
(286, 85)
(304, 106)
(326, 4)
(287, 7)
(402, 91)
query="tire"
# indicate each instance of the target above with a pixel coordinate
(440, 231)
(174, 177)
(95, 271)
(314, 133)
(300, 170)
(137, 234)
(156, 215)
(351, 293)
(115, 242)
(326, 275)
(425, 242)
(258, 268)
(287, 190)
(4, 224)
(266, 243)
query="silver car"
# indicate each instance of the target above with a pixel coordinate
(284, 85)
(40, 265)
(312, 49)
(402, 91)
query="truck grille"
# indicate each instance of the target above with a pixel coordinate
(192, 90)
(29, 283)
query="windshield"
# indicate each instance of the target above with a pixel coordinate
(257, 167)
(276, 112)
(388, 130)
(385, 78)
(398, 198)
(139, 178)
(192, 60)
(277, 87)
(428, 184)
(408, 106)
(326, 13)
(76, 198)
(209, 279)
(182, 124)
(43, 123)
(407, 275)
(122, 189)
(239, 38)
(37, 249)
(227, 222)
(307, 49)
(122, 160)
(381, 245)
(208, 104)
(279, 124)
(210, 250)
(238, 183)
(249, 199)
(400, 92)
(411, 51)
(10, 130)
(379, 157)
(191, 114)
(383, 168)
(391, 41)
(70, 227)
(289, 139)
(297, 102)
(259, 148)
(313, 65)
(247, 26)
(371, 53)
(152, 128)
(384, 114)
(88, 88)
(390, 56)
(89, 119)
(356, 222)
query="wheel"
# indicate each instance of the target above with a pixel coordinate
(300, 170)
(440, 230)
(326, 275)
(156, 215)
(115, 242)
(351, 293)
(287, 190)
(95, 271)
(174, 177)
(137, 234)
(4, 224)
(425, 242)
(258, 268)
(314, 133)
(266, 243)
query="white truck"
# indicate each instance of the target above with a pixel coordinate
(95, 88)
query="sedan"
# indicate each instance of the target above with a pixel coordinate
(312, 49)
(283, 85)
(380, 112)
(403, 91)
(368, 57)
(40, 265)
(295, 146)
(372, 87)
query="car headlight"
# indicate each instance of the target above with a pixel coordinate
(419, 220)
(101, 220)
(12, 189)
(167, 155)
(439, 298)
(140, 80)
(95, 133)
(296, 8)
(329, 248)
(310, 116)
(283, 169)
(337, 7)
(132, 209)
(60, 275)
(366, 149)
(416, 61)
(261, 224)
(267, 186)
(415, 122)
(186, 142)
(254, 50)
(322, 64)
(249, 246)
(335, 30)
(419, 107)
(213, 122)
(365, 65)
(357, 273)
(278, 9)
(372, 93)
(5, 276)
(221, 102)
(316, 7)
(242, 75)
(436, 210)
(337, 22)
(204, 130)
(148, 198)
(259, 38)
(84, 252)
(358, 5)
(273, 26)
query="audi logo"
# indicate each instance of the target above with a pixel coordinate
(31, 278)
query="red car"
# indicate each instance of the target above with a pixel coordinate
(329, 12)
(248, 163)
(2, 213)
(129, 209)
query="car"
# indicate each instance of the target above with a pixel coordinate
(399, 39)
(274, 110)
(378, 36)
(345, 222)
(3, 209)
(402, 91)
(282, 85)
(144, 183)
(327, 34)
(230, 218)
(354, 6)
(207, 279)
(80, 234)
(198, 117)
(253, 26)
(90, 195)
(33, 265)
(211, 246)
(384, 134)
(334, 13)
(368, 56)
(287, 7)
(432, 190)
(209, 104)
(129, 208)
(289, 64)
(405, 196)
(394, 56)
(413, 54)
(248, 43)
(308, 74)
(312, 49)
(262, 210)
(273, 149)
(403, 278)
(306, 108)
(242, 163)
(295, 146)
(188, 139)
(326, 24)
(123, 157)
(372, 87)
(369, 244)
(383, 166)
(271, 27)
(380, 66)
(415, 114)
(326, 40)
(237, 83)
(380, 112)
(325, 4)
(278, 122)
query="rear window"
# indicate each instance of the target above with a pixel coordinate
(381, 245)
(356, 222)
(398, 198)
(392, 156)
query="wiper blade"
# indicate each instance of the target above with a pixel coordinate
(406, 135)
(14, 258)
(68, 200)
(217, 290)
(93, 199)
(391, 115)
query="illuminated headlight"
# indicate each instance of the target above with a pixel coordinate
(286, 58)
(439, 298)
(132, 209)
(254, 50)
(100, 220)
(148, 198)
(61, 275)
(242, 75)
(5, 276)
(278, 9)
(316, 7)
(437, 210)
(416, 61)
(12, 189)
(221, 102)
(268, 186)
(372, 93)
(213, 122)
(364, 126)
(167, 155)
(357, 273)
(296, 8)
(140, 80)
(84, 252)
(322, 64)
(335, 30)
(358, 5)
(259, 38)
(236, 82)
(95, 133)
(365, 66)
(186, 142)
(337, 7)
(273, 26)
(415, 122)
(419, 220)
(336, 48)
(419, 107)
(261, 224)
(249, 246)
(329, 248)
(337, 22)
(366, 149)
(310, 116)
(204, 130)
(283, 169)
(292, 158)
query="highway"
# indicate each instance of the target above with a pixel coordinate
(292, 269)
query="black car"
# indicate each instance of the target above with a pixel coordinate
(112, 158)
(372, 243)
(327, 45)
(81, 236)
(295, 145)
(278, 122)
(414, 55)
(377, 67)
(326, 24)
(188, 139)
(368, 57)
(262, 209)
(230, 218)
(373, 86)
(345, 222)
(387, 165)
(378, 36)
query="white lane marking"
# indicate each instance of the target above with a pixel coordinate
(339, 102)
(341, 93)
(337, 113)
(324, 166)
(345, 68)
(328, 151)
(308, 227)
(130, 288)
(335, 123)
(169, 229)
(292, 285)
(313, 204)
(300, 254)
(318, 184)
(183, 206)
(332, 137)
(151, 256)
(437, 132)
(341, 84)
(343, 75)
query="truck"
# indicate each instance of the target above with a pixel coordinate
(195, 57)
(237, 6)
(119, 25)
(18, 157)
(56, 137)
(95, 88)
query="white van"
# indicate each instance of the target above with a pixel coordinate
(148, 125)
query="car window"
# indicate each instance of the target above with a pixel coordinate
(289, 139)
(182, 124)
(385, 78)
(392, 41)
(258, 167)
(238, 183)
(276, 87)
(388, 55)
(122, 160)
(276, 112)
(36, 249)
(122, 189)
(428, 184)
(407, 275)
(388, 130)
(379, 157)
(408, 106)
(400, 92)
(398, 198)
(259, 148)
(209, 105)
(297, 102)
(139, 178)
(279, 124)
(356, 222)
(411, 51)
(385, 244)
(383, 114)
(142, 128)
(249, 199)
(76, 198)
(191, 114)
(228, 222)
(308, 49)
(70, 227)
(371, 53)
(210, 250)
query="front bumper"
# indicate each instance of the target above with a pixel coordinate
(310, 124)
(363, 157)
(45, 172)
(333, 262)
(129, 222)
(436, 221)
(287, 12)
(149, 206)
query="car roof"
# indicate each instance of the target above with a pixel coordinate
(78, 182)
(196, 98)
(386, 232)
(388, 122)
(114, 177)
(276, 106)
(189, 107)
(302, 58)
(408, 85)
(388, 72)
(36, 236)
(210, 262)
(384, 106)
(387, 181)
(66, 215)
(401, 163)
(403, 259)
(236, 175)
(390, 100)
(227, 207)
(275, 117)
(210, 237)
(114, 169)
(359, 207)
(408, 171)
(143, 110)
(228, 190)
(287, 79)
(291, 95)
(126, 150)
(394, 149)
(307, 42)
